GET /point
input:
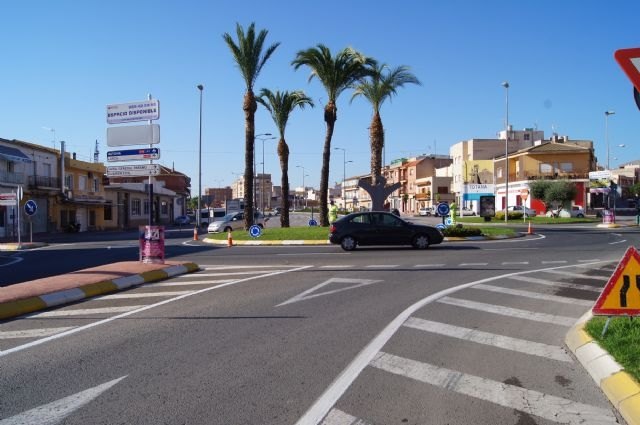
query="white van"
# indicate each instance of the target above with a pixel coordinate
(209, 215)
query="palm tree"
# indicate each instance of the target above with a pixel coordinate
(280, 105)
(336, 73)
(250, 59)
(380, 84)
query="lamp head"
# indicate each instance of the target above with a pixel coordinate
(505, 84)
(200, 87)
(607, 113)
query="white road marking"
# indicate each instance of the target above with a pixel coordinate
(424, 266)
(14, 260)
(129, 313)
(543, 405)
(472, 264)
(486, 338)
(534, 295)
(141, 295)
(199, 274)
(188, 282)
(32, 333)
(556, 284)
(616, 243)
(228, 267)
(595, 260)
(577, 275)
(340, 266)
(382, 266)
(555, 262)
(513, 263)
(83, 311)
(304, 296)
(338, 417)
(55, 412)
(510, 312)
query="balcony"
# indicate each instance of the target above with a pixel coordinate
(43, 182)
(14, 178)
(513, 177)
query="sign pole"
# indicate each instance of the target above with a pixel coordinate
(17, 212)
(151, 184)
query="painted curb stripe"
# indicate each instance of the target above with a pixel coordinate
(153, 275)
(630, 410)
(128, 281)
(99, 288)
(619, 387)
(61, 297)
(16, 308)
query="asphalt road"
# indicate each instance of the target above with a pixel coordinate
(465, 332)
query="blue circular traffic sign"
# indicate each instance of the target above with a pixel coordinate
(442, 209)
(441, 226)
(255, 231)
(448, 221)
(312, 222)
(30, 207)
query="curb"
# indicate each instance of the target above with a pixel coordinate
(14, 246)
(32, 304)
(621, 389)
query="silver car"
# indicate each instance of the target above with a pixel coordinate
(233, 221)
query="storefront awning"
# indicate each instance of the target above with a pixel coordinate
(13, 154)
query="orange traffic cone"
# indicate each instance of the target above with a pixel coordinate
(229, 239)
(195, 233)
(530, 232)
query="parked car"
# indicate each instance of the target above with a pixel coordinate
(182, 220)
(277, 211)
(528, 212)
(425, 211)
(233, 221)
(575, 211)
(468, 211)
(381, 228)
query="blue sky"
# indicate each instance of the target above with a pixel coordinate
(64, 61)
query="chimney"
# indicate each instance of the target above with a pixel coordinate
(74, 155)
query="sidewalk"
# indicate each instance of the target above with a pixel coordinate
(27, 297)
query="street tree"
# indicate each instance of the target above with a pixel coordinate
(280, 105)
(554, 193)
(250, 55)
(336, 74)
(380, 84)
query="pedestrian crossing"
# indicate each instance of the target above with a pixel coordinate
(408, 364)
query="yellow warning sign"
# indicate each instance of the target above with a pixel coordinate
(621, 294)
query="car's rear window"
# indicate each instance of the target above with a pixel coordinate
(362, 219)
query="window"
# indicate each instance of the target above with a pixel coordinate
(46, 170)
(68, 181)
(96, 185)
(164, 208)
(362, 219)
(443, 190)
(146, 207)
(11, 167)
(82, 183)
(135, 207)
(546, 168)
(92, 218)
(499, 173)
(107, 212)
(527, 136)
(566, 167)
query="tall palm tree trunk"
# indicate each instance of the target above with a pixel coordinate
(249, 106)
(283, 153)
(376, 136)
(330, 117)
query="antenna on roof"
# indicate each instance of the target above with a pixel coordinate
(96, 153)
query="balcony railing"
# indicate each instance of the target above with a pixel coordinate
(543, 176)
(43, 182)
(15, 178)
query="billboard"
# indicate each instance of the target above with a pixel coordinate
(599, 181)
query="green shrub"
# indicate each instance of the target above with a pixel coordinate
(513, 215)
(460, 231)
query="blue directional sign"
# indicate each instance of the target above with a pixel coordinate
(133, 154)
(442, 209)
(448, 221)
(441, 226)
(255, 231)
(30, 207)
(312, 222)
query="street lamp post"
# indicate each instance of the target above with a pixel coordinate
(344, 169)
(304, 196)
(255, 197)
(606, 132)
(505, 84)
(262, 179)
(200, 87)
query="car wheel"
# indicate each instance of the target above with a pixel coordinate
(580, 216)
(227, 229)
(348, 243)
(420, 242)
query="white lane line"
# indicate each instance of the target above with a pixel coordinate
(382, 266)
(555, 262)
(340, 266)
(534, 295)
(555, 284)
(56, 411)
(543, 405)
(229, 267)
(514, 263)
(425, 266)
(577, 275)
(32, 333)
(141, 295)
(14, 260)
(338, 417)
(141, 309)
(472, 264)
(510, 312)
(618, 242)
(199, 274)
(188, 282)
(83, 311)
(486, 338)
(330, 396)
(595, 260)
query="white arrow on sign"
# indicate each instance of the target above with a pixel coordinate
(55, 412)
(304, 296)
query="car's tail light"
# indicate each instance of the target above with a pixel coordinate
(332, 228)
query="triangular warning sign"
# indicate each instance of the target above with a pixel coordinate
(621, 295)
(629, 61)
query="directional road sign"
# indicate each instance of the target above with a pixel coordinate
(133, 154)
(312, 222)
(255, 231)
(629, 61)
(133, 135)
(30, 207)
(133, 111)
(442, 209)
(621, 294)
(133, 170)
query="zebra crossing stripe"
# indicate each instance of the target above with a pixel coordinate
(534, 295)
(84, 311)
(509, 311)
(188, 282)
(486, 338)
(338, 417)
(33, 333)
(556, 284)
(229, 273)
(578, 275)
(543, 405)
(142, 295)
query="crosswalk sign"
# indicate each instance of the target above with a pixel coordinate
(621, 294)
